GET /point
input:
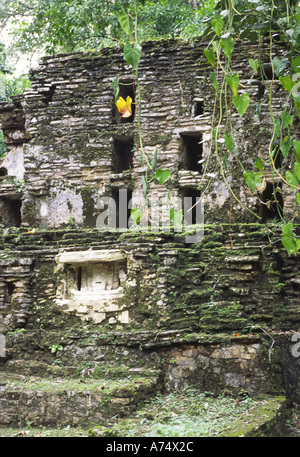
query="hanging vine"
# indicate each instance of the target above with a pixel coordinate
(132, 55)
(255, 21)
(231, 94)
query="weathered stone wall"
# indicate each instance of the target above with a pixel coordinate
(150, 280)
(80, 151)
(207, 314)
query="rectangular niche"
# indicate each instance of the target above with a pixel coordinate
(122, 199)
(10, 212)
(96, 277)
(192, 151)
(123, 154)
(9, 290)
(126, 89)
(91, 283)
(192, 212)
(198, 108)
(271, 206)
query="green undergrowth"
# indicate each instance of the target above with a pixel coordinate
(195, 414)
(187, 414)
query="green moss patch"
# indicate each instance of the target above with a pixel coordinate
(195, 414)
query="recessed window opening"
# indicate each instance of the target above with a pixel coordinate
(123, 151)
(261, 91)
(271, 206)
(79, 277)
(122, 198)
(192, 152)
(277, 157)
(10, 287)
(190, 199)
(96, 277)
(49, 94)
(3, 171)
(198, 108)
(266, 71)
(10, 212)
(126, 89)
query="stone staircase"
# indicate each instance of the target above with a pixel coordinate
(91, 378)
(70, 401)
(72, 384)
(222, 309)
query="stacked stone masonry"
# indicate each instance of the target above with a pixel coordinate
(216, 312)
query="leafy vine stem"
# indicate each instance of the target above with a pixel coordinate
(132, 55)
(222, 28)
(231, 94)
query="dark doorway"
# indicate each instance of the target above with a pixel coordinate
(79, 277)
(277, 157)
(191, 204)
(3, 171)
(123, 152)
(198, 108)
(271, 206)
(192, 152)
(10, 212)
(122, 199)
(10, 287)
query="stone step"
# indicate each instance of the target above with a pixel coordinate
(58, 402)
(93, 370)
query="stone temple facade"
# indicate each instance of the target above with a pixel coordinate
(214, 299)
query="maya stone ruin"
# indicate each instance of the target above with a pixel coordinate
(212, 305)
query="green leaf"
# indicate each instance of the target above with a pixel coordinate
(287, 229)
(279, 65)
(125, 22)
(213, 79)
(244, 34)
(296, 64)
(298, 198)
(289, 240)
(132, 54)
(136, 215)
(285, 146)
(296, 144)
(286, 82)
(287, 119)
(253, 37)
(217, 24)
(252, 179)
(277, 126)
(295, 91)
(210, 55)
(233, 82)
(291, 179)
(259, 165)
(229, 143)
(254, 64)
(116, 88)
(227, 45)
(241, 102)
(297, 170)
(162, 176)
(145, 186)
